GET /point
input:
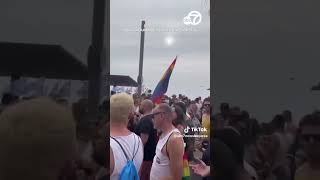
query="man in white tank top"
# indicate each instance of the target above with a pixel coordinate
(121, 105)
(168, 161)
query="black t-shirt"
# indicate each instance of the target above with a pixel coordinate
(145, 126)
(132, 126)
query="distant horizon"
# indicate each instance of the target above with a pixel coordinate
(192, 97)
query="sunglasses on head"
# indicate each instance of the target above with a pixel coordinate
(307, 137)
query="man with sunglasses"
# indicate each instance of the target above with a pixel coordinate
(310, 133)
(168, 161)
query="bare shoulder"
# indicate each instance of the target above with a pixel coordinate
(175, 147)
(176, 139)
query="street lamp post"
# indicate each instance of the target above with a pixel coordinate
(140, 77)
(95, 58)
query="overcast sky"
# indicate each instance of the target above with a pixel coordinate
(68, 23)
(191, 75)
(258, 45)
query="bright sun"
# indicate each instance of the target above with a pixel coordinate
(169, 40)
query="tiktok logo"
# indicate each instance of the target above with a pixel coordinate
(186, 130)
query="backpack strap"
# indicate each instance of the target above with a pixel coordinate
(121, 147)
(134, 155)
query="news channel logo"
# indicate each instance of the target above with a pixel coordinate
(193, 18)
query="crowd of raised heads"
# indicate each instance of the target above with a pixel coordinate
(245, 148)
(182, 101)
(163, 140)
(44, 138)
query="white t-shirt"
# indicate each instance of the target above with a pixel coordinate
(132, 144)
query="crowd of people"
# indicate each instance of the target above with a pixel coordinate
(246, 149)
(44, 138)
(53, 139)
(161, 139)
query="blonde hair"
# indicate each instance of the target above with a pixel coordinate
(37, 138)
(120, 106)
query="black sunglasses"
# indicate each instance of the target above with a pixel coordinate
(307, 137)
(157, 113)
(206, 105)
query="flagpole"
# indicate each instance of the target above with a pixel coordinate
(140, 78)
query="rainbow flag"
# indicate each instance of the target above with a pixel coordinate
(162, 86)
(186, 168)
